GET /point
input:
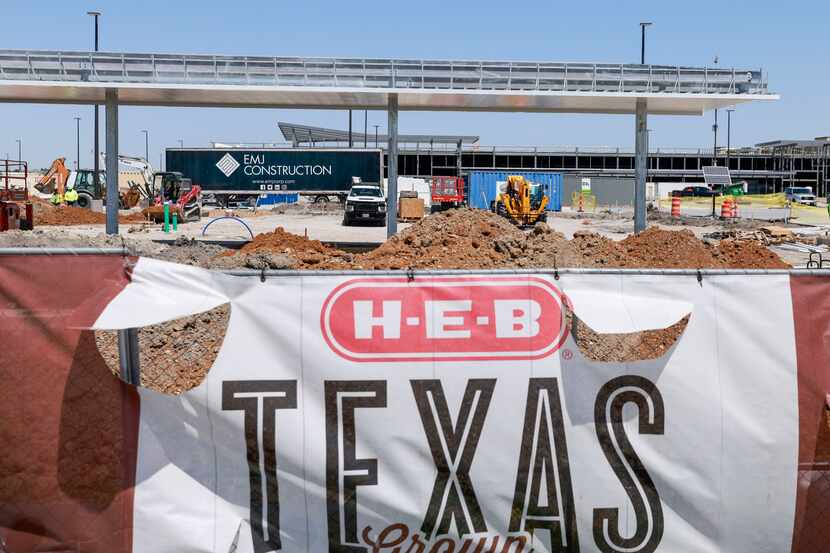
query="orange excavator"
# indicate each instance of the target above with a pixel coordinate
(54, 180)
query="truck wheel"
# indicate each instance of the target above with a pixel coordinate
(321, 199)
(346, 221)
(84, 201)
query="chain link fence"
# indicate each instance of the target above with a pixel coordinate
(813, 528)
(174, 356)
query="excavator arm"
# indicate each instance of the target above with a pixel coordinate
(59, 173)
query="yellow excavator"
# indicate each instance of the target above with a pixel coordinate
(521, 201)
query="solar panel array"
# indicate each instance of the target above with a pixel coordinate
(716, 175)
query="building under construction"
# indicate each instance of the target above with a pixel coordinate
(767, 167)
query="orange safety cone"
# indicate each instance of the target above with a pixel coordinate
(581, 206)
(675, 206)
(734, 206)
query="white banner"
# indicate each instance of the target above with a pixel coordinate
(456, 414)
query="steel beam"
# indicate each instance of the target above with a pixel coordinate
(392, 171)
(128, 353)
(640, 165)
(112, 160)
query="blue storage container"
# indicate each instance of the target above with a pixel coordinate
(482, 186)
(273, 199)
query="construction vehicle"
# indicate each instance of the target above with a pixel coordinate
(160, 187)
(16, 211)
(183, 197)
(446, 193)
(521, 201)
(58, 179)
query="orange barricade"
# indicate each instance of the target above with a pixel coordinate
(675, 206)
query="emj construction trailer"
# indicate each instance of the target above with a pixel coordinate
(314, 172)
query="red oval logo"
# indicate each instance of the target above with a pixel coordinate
(444, 318)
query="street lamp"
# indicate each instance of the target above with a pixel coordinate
(728, 135)
(19, 149)
(146, 145)
(643, 26)
(376, 135)
(77, 143)
(715, 131)
(365, 125)
(181, 143)
(96, 147)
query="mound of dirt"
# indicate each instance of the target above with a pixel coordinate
(281, 250)
(49, 215)
(454, 239)
(747, 254)
(667, 249)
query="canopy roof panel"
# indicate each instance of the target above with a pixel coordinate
(343, 83)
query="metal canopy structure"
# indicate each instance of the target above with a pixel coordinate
(366, 83)
(67, 77)
(305, 134)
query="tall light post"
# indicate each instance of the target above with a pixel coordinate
(643, 26)
(96, 168)
(146, 145)
(19, 149)
(728, 135)
(376, 135)
(77, 143)
(181, 143)
(715, 131)
(365, 126)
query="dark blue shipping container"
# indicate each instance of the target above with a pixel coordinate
(483, 188)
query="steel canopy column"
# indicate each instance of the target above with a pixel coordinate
(392, 170)
(112, 160)
(458, 160)
(640, 165)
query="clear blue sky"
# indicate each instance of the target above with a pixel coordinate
(790, 41)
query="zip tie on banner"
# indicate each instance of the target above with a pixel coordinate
(410, 274)
(700, 278)
(262, 274)
(555, 269)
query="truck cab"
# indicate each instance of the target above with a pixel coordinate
(365, 203)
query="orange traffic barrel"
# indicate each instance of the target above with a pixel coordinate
(726, 209)
(675, 206)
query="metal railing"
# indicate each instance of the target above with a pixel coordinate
(375, 73)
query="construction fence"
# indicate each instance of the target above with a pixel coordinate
(771, 207)
(431, 411)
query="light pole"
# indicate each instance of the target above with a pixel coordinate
(365, 126)
(376, 135)
(146, 145)
(96, 168)
(715, 131)
(181, 143)
(19, 149)
(728, 135)
(77, 143)
(643, 26)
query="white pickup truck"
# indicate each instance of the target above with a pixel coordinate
(800, 195)
(365, 203)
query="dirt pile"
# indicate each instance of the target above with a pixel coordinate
(281, 250)
(667, 249)
(475, 239)
(747, 254)
(455, 239)
(49, 215)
